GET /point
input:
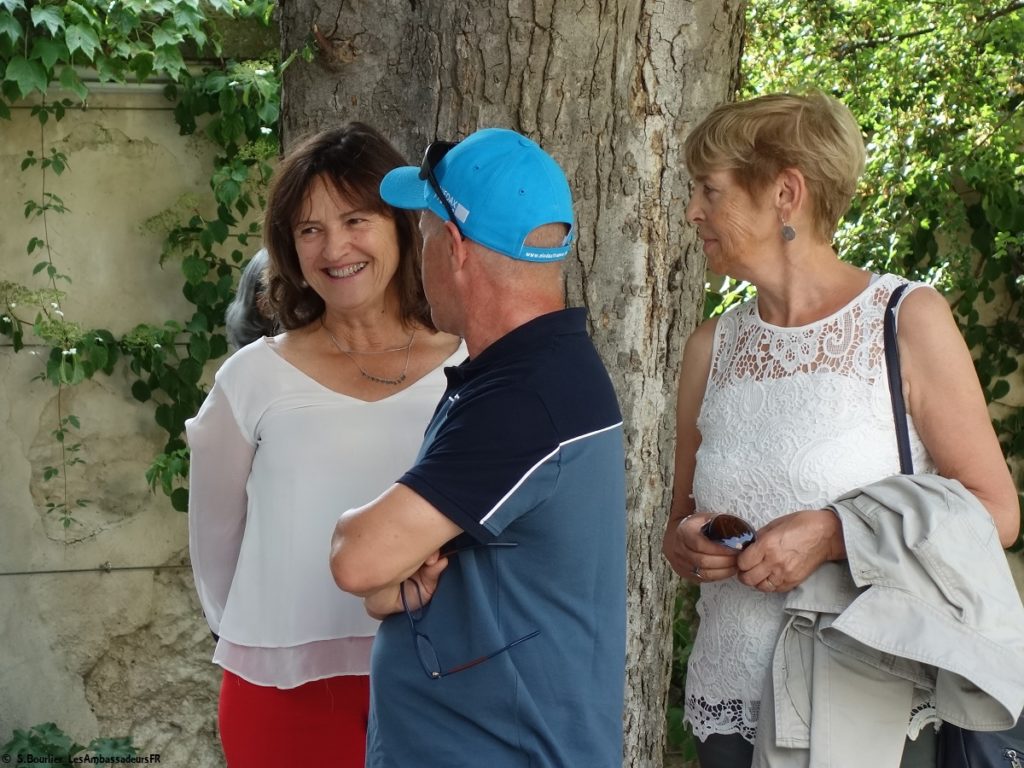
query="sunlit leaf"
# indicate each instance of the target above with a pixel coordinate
(28, 75)
(82, 38)
(48, 16)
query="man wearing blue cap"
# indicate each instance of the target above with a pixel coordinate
(497, 562)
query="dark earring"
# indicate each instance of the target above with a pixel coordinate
(788, 233)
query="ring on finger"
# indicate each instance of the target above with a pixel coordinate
(696, 571)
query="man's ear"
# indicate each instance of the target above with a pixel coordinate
(460, 250)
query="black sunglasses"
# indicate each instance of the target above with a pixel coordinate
(436, 151)
(732, 531)
(425, 648)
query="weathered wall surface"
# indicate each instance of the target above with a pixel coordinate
(124, 651)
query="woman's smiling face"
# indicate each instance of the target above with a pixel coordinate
(348, 255)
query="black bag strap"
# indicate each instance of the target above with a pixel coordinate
(892, 364)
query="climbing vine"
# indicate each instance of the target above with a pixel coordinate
(43, 48)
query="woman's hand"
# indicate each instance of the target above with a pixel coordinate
(694, 556)
(790, 548)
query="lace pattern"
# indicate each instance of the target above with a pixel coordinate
(791, 418)
(922, 713)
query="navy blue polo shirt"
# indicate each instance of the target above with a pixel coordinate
(525, 454)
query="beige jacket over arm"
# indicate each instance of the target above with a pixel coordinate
(926, 600)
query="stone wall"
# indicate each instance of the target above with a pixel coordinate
(104, 636)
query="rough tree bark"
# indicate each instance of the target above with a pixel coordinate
(610, 88)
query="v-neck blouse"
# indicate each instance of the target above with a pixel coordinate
(276, 458)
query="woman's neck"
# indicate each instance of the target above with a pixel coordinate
(808, 288)
(376, 330)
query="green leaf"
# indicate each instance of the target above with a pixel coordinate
(218, 346)
(198, 324)
(28, 75)
(49, 51)
(141, 391)
(179, 499)
(166, 35)
(194, 268)
(190, 371)
(70, 80)
(13, 5)
(1000, 389)
(142, 65)
(79, 37)
(78, 372)
(48, 16)
(97, 356)
(189, 18)
(228, 192)
(219, 230)
(199, 348)
(228, 100)
(109, 68)
(10, 28)
(163, 416)
(268, 112)
(168, 59)
(75, 10)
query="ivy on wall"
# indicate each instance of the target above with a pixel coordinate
(43, 48)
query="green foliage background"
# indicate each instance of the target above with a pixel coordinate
(938, 89)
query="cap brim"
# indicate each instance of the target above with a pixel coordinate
(403, 188)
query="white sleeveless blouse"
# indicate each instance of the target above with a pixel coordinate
(791, 419)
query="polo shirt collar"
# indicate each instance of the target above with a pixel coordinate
(522, 340)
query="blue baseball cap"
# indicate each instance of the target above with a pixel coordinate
(500, 186)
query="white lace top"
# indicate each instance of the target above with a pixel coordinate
(791, 418)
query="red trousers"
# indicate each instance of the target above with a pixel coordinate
(322, 723)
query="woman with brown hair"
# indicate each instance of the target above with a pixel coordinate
(299, 427)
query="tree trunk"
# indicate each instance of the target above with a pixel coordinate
(610, 89)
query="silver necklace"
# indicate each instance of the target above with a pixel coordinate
(367, 375)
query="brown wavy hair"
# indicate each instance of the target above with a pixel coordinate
(352, 159)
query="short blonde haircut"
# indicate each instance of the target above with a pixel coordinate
(759, 138)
